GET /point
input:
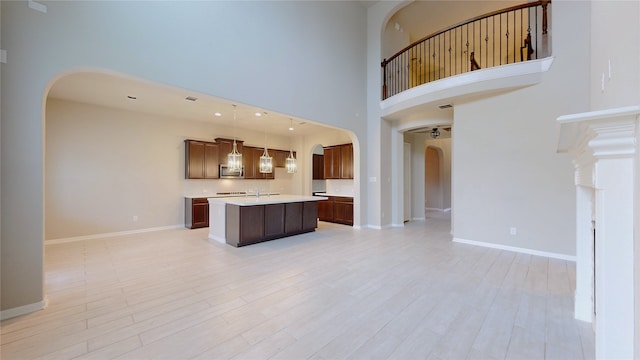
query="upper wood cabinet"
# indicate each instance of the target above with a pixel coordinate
(201, 160)
(280, 157)
(346, 161)
(225, 146)
(338, 162)
(318, 167)
(249, 163)
(251, 160)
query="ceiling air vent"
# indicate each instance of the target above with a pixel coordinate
(446, 106)
(191, 98)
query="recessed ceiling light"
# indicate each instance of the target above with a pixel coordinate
(217, 114)
(132, 97)
(258, 114)
(191, 98)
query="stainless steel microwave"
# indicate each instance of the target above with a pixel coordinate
(226, 173)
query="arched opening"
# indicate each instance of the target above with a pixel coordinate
(433, 184)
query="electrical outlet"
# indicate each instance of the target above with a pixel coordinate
(513, 231)
(135, 217)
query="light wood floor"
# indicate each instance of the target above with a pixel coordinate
(401, 293)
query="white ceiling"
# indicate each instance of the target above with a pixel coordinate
(152, 98)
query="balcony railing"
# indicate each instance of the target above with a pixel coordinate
(506, 36)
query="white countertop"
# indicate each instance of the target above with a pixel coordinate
(263, 199)
(331, 194)
(217, 196)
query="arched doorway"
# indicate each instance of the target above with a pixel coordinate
(434, 189)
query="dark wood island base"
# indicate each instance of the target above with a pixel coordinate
(246, 225)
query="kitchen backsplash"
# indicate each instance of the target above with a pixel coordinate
(282, 184)
(340, 187)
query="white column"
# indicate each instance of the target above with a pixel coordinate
(584, 254)
(614, 259)
(605, 148)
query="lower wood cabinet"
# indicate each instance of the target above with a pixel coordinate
(325, 210)
(337, 209)
(309, 216)
(343, 210)
(196, 213)
(246, 225)
(274, 219)
(293, 217)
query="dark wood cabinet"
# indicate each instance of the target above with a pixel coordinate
(332, 162)
(279, 158)
(338, 162)
(248, 161)
(196, 213)
(309, 216)
(225, 146)
(268, 176)
(346, 161)
(337, 209)
(211, 161)
(251, 159)
(201, 160)
(247, 225)
(274, 220)
(343, 210)
(318, 167)
(293, 217)
(325, 210)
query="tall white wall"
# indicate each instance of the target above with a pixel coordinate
(619, 62)
(299, 58)
(504, 157)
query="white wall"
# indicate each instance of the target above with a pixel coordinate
(504, 151)
(299, 58)
(618, 20)
(425, 17)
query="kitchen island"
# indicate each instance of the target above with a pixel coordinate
(240, 221)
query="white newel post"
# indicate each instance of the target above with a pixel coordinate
(604, 145)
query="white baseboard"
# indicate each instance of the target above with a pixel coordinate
(217, 239)
(583, 308)
(516, 249)
(23, 310)
(419, 219)
(105, 235)
(438, 209)
(379, 227)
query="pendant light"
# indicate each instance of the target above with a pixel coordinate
(291, 160)
(234, 158)
(266, 163)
